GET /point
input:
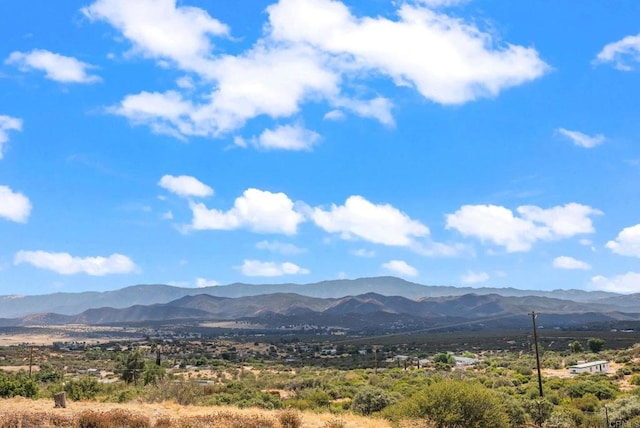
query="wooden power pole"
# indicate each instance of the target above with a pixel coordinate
(535, 341)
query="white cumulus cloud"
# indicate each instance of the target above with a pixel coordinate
(14, 206)
(185, 185)
(66, 264)
(8, 123)
(380, 224)
(259, 268)
(309, 51)
(446, 59)
(257, 210)
(627, 243)
(64, 69)
(400, 267)
(500, 226)
(625, 283)
(203, 282)
(582, 140)
(160, 29)
(566, 262)
(624, 53)
(287, 137)
(474, 277)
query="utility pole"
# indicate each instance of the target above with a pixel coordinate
(535, 341)
(30, 360)
(375, 360)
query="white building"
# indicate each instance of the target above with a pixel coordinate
(591, 367)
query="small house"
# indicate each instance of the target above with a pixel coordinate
(465, 361)
(591, 367)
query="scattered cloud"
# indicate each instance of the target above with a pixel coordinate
(441, 3)
(14, 206)
(203, 282)
(447, 60)
(378, 108)
(258, 268)
(361, 252)
(380, 224)
(165, 113)
(624, 54)
(257, 210)
(8, 123)
(499, 225)
(63, 69)
(335, 115)
(439, 249)
(566, 262)
(582, 140)
(159, 29)
(400, 267)
(625, 283)
(474, 277)
(284, 248)
(627, 243)
(184, 185)
(66, 264)
(310, 51)
(287, 137)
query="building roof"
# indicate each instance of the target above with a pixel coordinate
(589, 364)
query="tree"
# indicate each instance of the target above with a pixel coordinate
(595, 344)
(152, 373)
(576, 347)
(131, 366)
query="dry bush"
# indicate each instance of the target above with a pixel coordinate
(225, 420)
(36, 420)
(334, 423)
(416, 423)
(290, 419)
(163, 422)
(113, 419)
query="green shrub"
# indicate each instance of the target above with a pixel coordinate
(624, 409)
(85, 388)
(17, 384)
(451, 403)
(317, 397)
(370, 399)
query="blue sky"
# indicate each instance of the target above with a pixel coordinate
(194, 143)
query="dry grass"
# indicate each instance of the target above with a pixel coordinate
(23, 413)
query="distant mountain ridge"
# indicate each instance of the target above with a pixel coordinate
(150, 294)
(370, 310)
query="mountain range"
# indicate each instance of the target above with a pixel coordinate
(359, 303)
(148, 294)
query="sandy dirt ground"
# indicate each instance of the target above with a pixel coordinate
(173, 410)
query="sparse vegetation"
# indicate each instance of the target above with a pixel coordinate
(291, 378)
